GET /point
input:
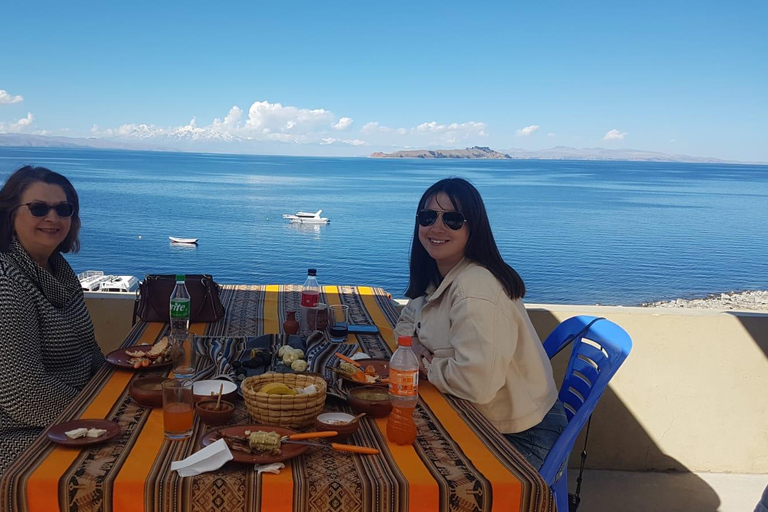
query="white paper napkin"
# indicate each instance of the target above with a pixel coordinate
(269, 468)
(210, 458)
(360, 355)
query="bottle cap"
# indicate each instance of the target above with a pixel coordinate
(180, 278)
(312, 272)
(404, 341)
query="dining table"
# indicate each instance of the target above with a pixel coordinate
(459, 461)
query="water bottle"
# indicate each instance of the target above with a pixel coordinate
(180, 309)
(403, 392)
(310, 295)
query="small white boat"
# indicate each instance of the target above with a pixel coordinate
(306, 218)
(121, 284)
(97, 281)
(91, 279)
(183, 240)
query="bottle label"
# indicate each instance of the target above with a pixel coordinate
(308, 300)
(403, 383)
(180, 309)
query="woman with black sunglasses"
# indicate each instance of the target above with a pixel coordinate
(47, 347)
(470, 329)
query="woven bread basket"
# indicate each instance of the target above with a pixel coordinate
(288, 411)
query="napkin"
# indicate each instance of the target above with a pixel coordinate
(219, 352)
(269, 468)
(210, 458)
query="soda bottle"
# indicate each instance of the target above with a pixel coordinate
(310, 295)
(403, 392)
(180, 309)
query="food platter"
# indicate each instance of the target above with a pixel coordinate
(121, 359)
(381, 367)
(287, 451)
(57, 433)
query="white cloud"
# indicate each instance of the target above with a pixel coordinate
(265, 121)
(343, 124)
(467, 128)
(265, 117)
(19, 126)
(375, 127)
(551, 135)
(615, 135)
(528, 130)
(7, 99)
(354, 142)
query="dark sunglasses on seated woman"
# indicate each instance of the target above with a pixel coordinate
(40, 209)
(453, 220)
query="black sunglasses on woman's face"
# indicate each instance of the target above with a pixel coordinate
(40, 209)
(453, 220)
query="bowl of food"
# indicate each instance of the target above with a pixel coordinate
(147, 391)
(372, 400)
(211, 412)
(207, 389)
(343, 423)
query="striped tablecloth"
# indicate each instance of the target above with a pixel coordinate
(459, 462)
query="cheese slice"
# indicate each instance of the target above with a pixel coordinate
(96, 432)
(77, 433)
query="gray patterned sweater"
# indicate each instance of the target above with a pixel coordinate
(48, 352)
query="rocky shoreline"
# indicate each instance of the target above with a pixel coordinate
(743, 301)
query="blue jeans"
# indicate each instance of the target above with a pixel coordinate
(536, 442)
(763, 505)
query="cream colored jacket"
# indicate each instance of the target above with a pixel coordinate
(485, 347)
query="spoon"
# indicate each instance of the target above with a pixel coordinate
(218, 401)
(356, 418)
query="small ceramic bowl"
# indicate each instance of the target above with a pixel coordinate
(147, 391)
(338, 421)
(372, 400)
(207, 389)
(206, 410)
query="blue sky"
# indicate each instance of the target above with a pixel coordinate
(349, 78)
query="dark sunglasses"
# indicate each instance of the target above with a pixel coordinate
(39, 209)
(454, 220)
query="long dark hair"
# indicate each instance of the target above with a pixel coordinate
(10, 198)
(481, 246)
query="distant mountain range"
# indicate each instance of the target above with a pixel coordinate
(555, 153)
(189, 142)
(16, 139)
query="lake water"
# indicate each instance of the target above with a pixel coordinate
(577, 232)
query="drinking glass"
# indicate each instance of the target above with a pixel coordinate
(339, 320)
(178, 409)
(184, 356)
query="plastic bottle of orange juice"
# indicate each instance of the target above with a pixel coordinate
(403, 392)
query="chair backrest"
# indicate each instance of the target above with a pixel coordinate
(599, 347)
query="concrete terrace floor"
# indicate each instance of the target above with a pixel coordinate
(628, 491)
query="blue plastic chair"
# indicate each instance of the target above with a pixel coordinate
(599, 348)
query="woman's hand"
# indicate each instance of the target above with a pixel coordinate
(422, 353)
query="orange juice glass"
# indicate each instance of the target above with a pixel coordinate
(178, 409)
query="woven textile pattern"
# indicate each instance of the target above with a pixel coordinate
(320, 480)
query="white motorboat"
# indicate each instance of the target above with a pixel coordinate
(97, 281)
(91, 279)
(121, 284)
(307, 218)
(177, 240)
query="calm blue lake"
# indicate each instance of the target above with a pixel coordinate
(578, 232)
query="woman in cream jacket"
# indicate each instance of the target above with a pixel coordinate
(471, 331)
